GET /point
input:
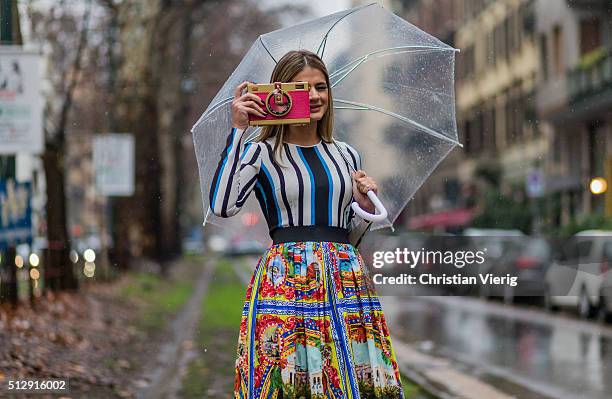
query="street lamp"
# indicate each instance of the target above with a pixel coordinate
(598, 185)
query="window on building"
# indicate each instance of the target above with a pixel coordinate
(467, 139)
(544, 56)
(556, 148)
(490, 46)
(489, 140)
(512, 22)
(528, 18)
(590, 34)
(500, 43)
(496, 44)
(507, 38)
(519, 117)
(530, 113)
(557, 50)
(492, 127)
(519, 25)
(509, 116)
(468, 62)
(480, 127)
(452, 189)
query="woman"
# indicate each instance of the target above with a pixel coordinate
(312, 325)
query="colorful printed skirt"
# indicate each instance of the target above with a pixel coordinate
(312, 327)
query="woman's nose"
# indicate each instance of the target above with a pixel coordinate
(313, 94)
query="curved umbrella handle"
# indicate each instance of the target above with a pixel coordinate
(373, 217)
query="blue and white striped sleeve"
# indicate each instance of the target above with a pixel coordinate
(357, 227)
(235, 176)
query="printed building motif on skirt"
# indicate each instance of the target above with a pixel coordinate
(314, 329)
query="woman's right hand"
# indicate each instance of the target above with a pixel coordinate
(245, 104)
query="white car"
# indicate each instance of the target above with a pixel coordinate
(579, 277)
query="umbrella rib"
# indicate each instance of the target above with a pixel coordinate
(206, 216)
(266, 48)
(359, 61)
(402, 118)
(354, 108)
(410, 47)
(324, 40)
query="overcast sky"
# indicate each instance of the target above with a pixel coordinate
(319, 7)
(324, 7)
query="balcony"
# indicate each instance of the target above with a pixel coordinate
(587, 3)
(590, 82)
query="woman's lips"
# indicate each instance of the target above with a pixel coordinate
(315, 109)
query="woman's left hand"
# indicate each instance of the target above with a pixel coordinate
(364, 183)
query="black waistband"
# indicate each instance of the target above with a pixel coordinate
(309, 233)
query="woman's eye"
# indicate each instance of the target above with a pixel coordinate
(321, 88)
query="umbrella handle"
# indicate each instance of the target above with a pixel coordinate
(373, 217)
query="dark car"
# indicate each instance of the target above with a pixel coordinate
(527, 259)
(436, 250)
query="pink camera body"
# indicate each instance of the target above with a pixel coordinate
(286, 103)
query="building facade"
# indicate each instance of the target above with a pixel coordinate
(574, 101)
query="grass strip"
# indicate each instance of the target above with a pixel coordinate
(211, 374)
(157, 298)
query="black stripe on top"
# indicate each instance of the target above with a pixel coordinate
(282, 182)
(262, 202)
(321, 205)
(273, 211)
(348, 169)
(222, 157)
(300, 186)
(341, 198)
(353, 156)
(228, 192)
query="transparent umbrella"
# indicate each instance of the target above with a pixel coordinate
(393, 91)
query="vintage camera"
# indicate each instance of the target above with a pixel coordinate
(285, 103)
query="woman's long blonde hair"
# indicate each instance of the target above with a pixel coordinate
(285, 70)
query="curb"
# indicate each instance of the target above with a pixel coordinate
(438, 378)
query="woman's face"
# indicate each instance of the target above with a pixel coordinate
(319, 98)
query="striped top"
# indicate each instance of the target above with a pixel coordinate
(311, 186)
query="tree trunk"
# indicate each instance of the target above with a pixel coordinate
(59, 273)
(8, 274)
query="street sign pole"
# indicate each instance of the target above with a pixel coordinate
(7, 162)
(8, 288)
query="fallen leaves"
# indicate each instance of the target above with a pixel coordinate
(78, 336)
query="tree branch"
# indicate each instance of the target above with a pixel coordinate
(60, 130)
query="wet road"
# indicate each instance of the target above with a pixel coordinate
(553, 355)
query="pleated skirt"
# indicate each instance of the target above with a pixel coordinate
(312, 327)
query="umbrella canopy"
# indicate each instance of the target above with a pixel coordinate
(393, 99)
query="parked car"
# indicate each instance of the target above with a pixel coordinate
(579, 277)
(527, 259)
(495, 243)
(605, 305)
(245, 247)
(437, 265)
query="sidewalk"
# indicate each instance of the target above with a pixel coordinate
(439, 378)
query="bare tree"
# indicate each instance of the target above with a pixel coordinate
(66, 35)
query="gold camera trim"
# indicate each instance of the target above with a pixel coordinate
(278, 93)
(269, 88)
